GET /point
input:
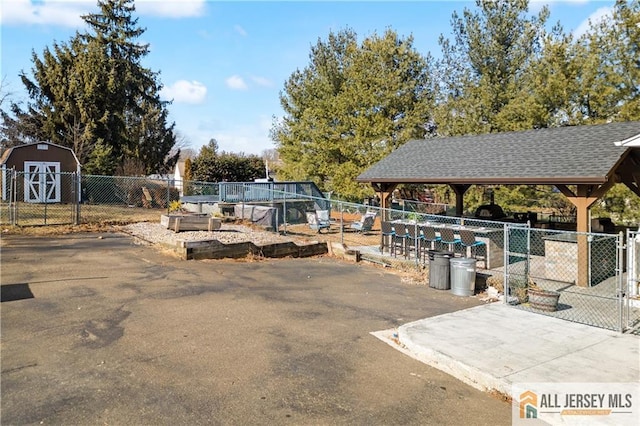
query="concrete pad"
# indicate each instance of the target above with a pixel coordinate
(494, 346)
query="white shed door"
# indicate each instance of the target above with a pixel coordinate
(41, 182)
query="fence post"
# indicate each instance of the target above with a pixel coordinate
(243, 200)
(168, 197)
(46, 195)
(79, 190)
(506, 290)
(284, 211)
(623, 306)
(12, 190)
(527, 265)
(341, 222)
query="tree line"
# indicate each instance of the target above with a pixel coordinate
(499, 70)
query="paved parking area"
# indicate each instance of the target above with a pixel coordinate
(98, 330)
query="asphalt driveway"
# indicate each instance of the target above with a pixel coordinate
(98, 330)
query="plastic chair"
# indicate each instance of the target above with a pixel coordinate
(364, 224)
(319, 220)
(401, 237)
(468, 240)
(324, 218)
(414, 241)
(429, 236)
(448, 237)
(388, 233)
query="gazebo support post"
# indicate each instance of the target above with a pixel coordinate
(583, 199)
(384, 191)
(459, 190)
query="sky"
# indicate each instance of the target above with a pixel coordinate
(224, 63)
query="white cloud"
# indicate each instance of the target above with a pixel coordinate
(171, 8)
(67, 13)
(240, 30)
(236, 82)
(535, 6)
(596, 17)
(262, 81)
(186, 92)
(62, 13)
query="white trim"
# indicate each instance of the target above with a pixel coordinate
(3, 170)
(42, 185)
(632, 141)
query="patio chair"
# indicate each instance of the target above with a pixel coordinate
(388, 234)
(429, 236)
(468, 240)
(364, 224)
(401, 238)
(319, 220)
(448, 237)
(414, 241)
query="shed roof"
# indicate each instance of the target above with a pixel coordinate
(8, 152)
(563, 155)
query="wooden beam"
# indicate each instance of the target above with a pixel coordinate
(633, 186)
(628, 173)
(384, 191)
(583, 199)
(565, 190)
(459, 190)
(632, 181)
(600, 191)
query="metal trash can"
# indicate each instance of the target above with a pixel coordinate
(439, 269)
(463, 276)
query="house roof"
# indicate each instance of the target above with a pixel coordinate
(179, 168)
(563, 155)
(7, 153)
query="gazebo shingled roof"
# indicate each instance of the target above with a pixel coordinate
(563, 155)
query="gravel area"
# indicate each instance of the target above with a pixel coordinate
(228, 233)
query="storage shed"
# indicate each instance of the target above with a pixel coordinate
(43, 172)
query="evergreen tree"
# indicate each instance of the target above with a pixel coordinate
(352, 105)
(188, 177)
(93, 95)
(483, 68)
(609, 82)
(212, 166)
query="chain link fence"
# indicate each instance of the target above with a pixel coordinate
(520, 255)
(118, 199)
(631, 283)
(67, 198)
(32, 199)
(358, 228)
(569, 275)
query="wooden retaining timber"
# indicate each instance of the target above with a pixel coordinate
(179, 223)
(214, 249)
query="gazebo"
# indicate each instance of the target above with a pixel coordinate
(590, 158)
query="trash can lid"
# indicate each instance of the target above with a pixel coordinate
(463, 260)
(439, 253)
